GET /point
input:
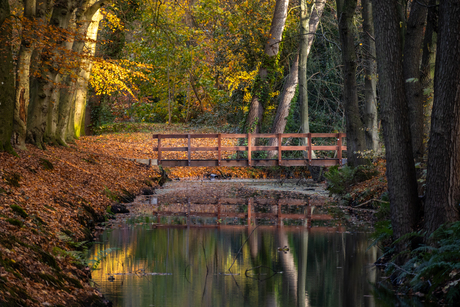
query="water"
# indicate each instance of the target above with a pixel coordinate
(276, 266)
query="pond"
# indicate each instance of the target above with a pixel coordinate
(227, 258)
(205, 267)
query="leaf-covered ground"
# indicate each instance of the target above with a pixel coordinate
(51, 199)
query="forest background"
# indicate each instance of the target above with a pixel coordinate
(258, 66)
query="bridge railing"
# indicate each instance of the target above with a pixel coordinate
(249, 147)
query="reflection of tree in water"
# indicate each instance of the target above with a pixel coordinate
(196, 257)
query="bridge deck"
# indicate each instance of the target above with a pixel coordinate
(276, 147)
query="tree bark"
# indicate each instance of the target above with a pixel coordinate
(282, 112)
(263, 84)
(443, 171)
(402, 185)
(356, 141)
(411, 65)
(6, 79)
(370, 117)
(308, 25)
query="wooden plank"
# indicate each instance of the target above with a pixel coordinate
(233, 136)
(256, 162)
(159, 149)
(189, 152)
(309, 148)
(325, 147)
(295, 135)
(324, 135)
(294, 148)
(339, 148)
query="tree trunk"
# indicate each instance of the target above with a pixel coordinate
(370, 117)
(46, 83)
(85, 72)
(428, 64)
(264, 82)
(443, 172)
(308, 24)
(356, 141)
(73, 95)
(402, 185)
(6, 78)
(282, 112)
(411, 65)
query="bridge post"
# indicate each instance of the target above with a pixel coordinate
(219, 148)
(250, 201)
(159, 149)
(249, 149)
(280, 139)
(339, 148)
(189, 152)
(309, 148)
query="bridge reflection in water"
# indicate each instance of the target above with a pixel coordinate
(231, 212)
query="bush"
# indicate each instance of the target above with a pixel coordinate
(340, 180)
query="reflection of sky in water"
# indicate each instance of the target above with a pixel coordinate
(319, 269)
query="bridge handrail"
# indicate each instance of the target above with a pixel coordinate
(249, 147)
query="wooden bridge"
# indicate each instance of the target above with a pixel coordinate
(227, 155)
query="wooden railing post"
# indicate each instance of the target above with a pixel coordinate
(280, 139)
(219, 148)
(159, 149)
(249, 149)
(309, 148)
(189, 149)
(250, 201)
(339, 148)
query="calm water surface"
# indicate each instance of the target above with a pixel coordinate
(190, 267)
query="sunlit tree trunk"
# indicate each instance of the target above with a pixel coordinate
(443, 171)
(73, 95)
(412, 57)
(394, 114)
(356, 141)
(6, 78)
(370, 117)
(309, 21)
(264, 81)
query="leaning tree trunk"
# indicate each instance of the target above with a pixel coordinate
(402, 184)
(370, 117)
(6, 78)
(264, 81)
(282, 112)
(411, 65)
(356, 141)
(308, 24)
(443, 171)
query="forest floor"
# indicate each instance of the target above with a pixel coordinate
(50, 200)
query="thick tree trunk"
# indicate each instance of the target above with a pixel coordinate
(370, 117)
(308, 25)
(6, 78)
(74, 94)
(36, 126)
(356, 141)
(282, 112)
(402, 185)
(411, 65)
(443, 173)
(263, 83)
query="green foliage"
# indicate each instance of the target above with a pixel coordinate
(340, 180)
(19, 210)
(111, 195)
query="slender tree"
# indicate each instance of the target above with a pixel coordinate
(402, 185)
(356, 141)
(370, 117)
(264, 81)
(6, 78)
(443, 171)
